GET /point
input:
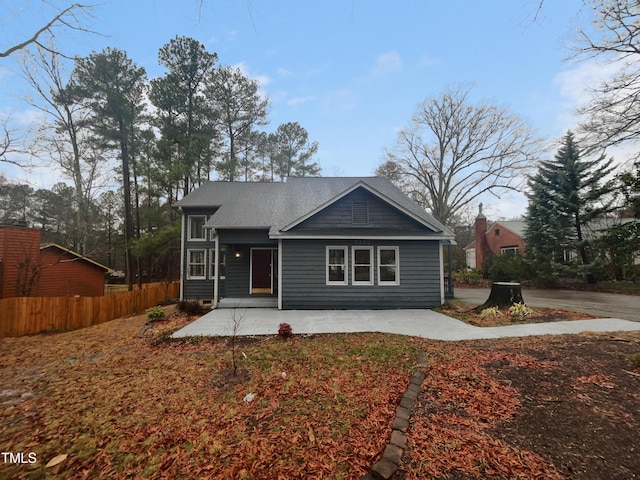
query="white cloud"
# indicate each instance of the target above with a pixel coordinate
(386, 63)
(295, 101)
(339, 101)
(427, 61)
(283, 72)
(261, 79)
(576, 84)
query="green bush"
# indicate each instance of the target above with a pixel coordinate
(155, 314)
(190, 307)
(468, 276)
(507, 268)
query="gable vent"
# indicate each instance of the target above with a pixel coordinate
(360, 213)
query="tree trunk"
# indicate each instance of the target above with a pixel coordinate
(503, 294)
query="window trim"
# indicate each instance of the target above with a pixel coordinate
(204, 264)
(190, 237)
(354, 265)
(512, 249)
(397, 265)
(221, 260)
(345, 265)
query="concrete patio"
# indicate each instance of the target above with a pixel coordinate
(418, 323)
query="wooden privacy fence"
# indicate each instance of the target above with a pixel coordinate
(27, 315)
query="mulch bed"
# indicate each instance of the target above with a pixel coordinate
(565, 407)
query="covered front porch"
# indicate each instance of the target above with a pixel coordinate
(246, 273)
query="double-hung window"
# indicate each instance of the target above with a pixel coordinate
(388, 266)
(196, 264)
(362, 266)
(337, 266)
(195, 227)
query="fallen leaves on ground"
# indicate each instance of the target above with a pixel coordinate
(121, 406)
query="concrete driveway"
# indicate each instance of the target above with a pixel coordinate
(418, 323)
(593, 303)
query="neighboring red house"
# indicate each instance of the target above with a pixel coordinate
(29, 269)
(503, 237)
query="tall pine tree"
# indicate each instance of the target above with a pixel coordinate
(566, 195)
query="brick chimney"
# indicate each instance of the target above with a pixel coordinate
(481, 238)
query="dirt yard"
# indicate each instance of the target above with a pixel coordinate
(547, 407)
(120, 401)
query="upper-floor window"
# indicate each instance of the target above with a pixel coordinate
(195, 227)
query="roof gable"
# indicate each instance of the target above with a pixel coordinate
(375, 212)
(74, 255)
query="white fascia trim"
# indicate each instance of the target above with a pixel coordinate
(360, 237)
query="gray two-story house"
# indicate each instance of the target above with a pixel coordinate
(311, 243)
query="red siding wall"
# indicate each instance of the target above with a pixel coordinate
(65, 275)
(17, 245)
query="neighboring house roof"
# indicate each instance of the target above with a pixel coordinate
(281, 206)
(55, 246)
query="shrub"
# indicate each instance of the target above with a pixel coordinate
(506, 268)
(520, 310)
(468, 277)
(155, 314)
(635, 361)
(490, 312)
(190, 307)
(285, 331)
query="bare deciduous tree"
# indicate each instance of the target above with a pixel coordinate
(453, 151)
(63, 18)
(613, 115)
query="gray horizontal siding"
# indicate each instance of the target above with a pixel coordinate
(383, 218)
(304, 278)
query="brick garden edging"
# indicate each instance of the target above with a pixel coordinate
(392, 455)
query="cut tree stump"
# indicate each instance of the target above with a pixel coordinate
(503, 294)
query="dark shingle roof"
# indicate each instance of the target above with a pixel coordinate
(277, 205)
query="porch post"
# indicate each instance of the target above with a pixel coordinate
(442, 295)
(279, 274)
(183, 233)
(216, 268)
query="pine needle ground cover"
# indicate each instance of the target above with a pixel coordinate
(121, 406)
(103, 402)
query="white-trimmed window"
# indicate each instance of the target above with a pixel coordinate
(222, 267)
(196, 264)
(509, 250)
(388, 266)
(362, 267)
(336, 265)
(195, 227)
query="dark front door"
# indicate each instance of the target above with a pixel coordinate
(261, 268)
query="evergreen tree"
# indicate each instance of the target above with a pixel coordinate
(566, 194)
(112, 87)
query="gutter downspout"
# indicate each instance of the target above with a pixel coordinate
(216, 268)
(279, 274)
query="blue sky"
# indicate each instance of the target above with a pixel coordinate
(351, 72)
